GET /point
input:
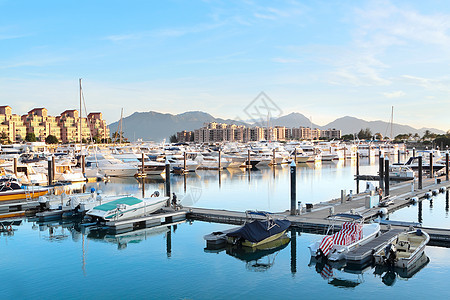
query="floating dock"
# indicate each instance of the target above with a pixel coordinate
(315, 219)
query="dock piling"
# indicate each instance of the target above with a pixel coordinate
(293, 187)
(295, 155)
(184, 161)
(431, 165)
(219, 161)
(398, 156)
(273, 157)
(380, 171)
(15, 166)
(420, 173)
(446, 166)
(414, 151)
(386, 176)
(293, 251)
(142, 164)
(83, 165)
(357, 163)
(168, 182)
(50, 171)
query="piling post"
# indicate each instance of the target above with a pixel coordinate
(248, 159)
(83, 165)
(293, 187)
(168, 182)
(380, 171)
(357, 164)
(220, 167)
(15, 166)
(386, 176)
(50, 171)
(295, 155)
(446, 166)
(431, 165)
(414, 151)
(53, 168)
(420, 173)
(184, 161)
(142, 164)
(398, 156)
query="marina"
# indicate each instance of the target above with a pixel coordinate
(196, 191)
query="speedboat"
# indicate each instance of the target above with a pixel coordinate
(10, 189)
(258, 232)
(403, 250)
(127, 208)
(352, 234)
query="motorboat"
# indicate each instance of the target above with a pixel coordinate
(126, 208)
(400, 172)
(353, 234)
(403, 250)
(178, 161)
(110, 166)
(65, 173)
(258, 232)
(11, 189)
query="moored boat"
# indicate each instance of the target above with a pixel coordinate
(126, 208)
(403, 250)
(352, 234)
(10, 190)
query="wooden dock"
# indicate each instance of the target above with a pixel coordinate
(164, 217)
(363, 254)
(315, 219)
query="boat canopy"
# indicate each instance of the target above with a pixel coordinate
(257, 231)
(113, 204)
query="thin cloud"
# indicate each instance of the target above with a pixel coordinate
(395, 94)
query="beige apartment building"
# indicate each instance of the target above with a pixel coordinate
(66, 127)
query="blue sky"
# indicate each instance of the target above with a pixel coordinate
(325, 59)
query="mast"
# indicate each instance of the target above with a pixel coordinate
(121, 128)
(392, 122)
(81, 144)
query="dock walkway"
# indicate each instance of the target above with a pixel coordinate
(315, 220)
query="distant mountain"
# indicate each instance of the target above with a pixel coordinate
(154, 126)
(350, 125)
(294, 120)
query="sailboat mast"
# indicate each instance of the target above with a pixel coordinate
(392, 122)
(121, 128)
(81, 144)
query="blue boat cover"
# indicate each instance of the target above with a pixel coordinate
(256, 231)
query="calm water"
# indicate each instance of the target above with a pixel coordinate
(60, 260)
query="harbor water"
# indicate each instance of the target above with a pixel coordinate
(63, 260)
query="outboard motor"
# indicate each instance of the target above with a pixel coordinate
(390, 254)
(44, 203)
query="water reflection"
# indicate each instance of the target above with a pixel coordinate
(257, 259)
(344, 276)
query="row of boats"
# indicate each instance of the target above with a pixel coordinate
(151, 159)
(403, 250)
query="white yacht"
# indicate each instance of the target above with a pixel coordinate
(110, 166)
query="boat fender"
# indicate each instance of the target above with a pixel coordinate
(8, 184)
(414, 200)
(428, 195)
(442, 189)
(383, 211)
(380, 191)
(435, 192)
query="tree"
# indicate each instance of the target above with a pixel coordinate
(347, 137)
(4, 138)
(116, 137)
(51, 139)
(173, 138)
(365, 134)
(30, 137)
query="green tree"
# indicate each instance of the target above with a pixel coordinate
(4, 139)
(347, 137)
(365, 134)
(51, 139)
(30, 137)
(173, 138)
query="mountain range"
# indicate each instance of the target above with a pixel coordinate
(157, 126)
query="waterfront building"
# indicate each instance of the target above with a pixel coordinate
(215, 132)
(65, 127)
(11, 124)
